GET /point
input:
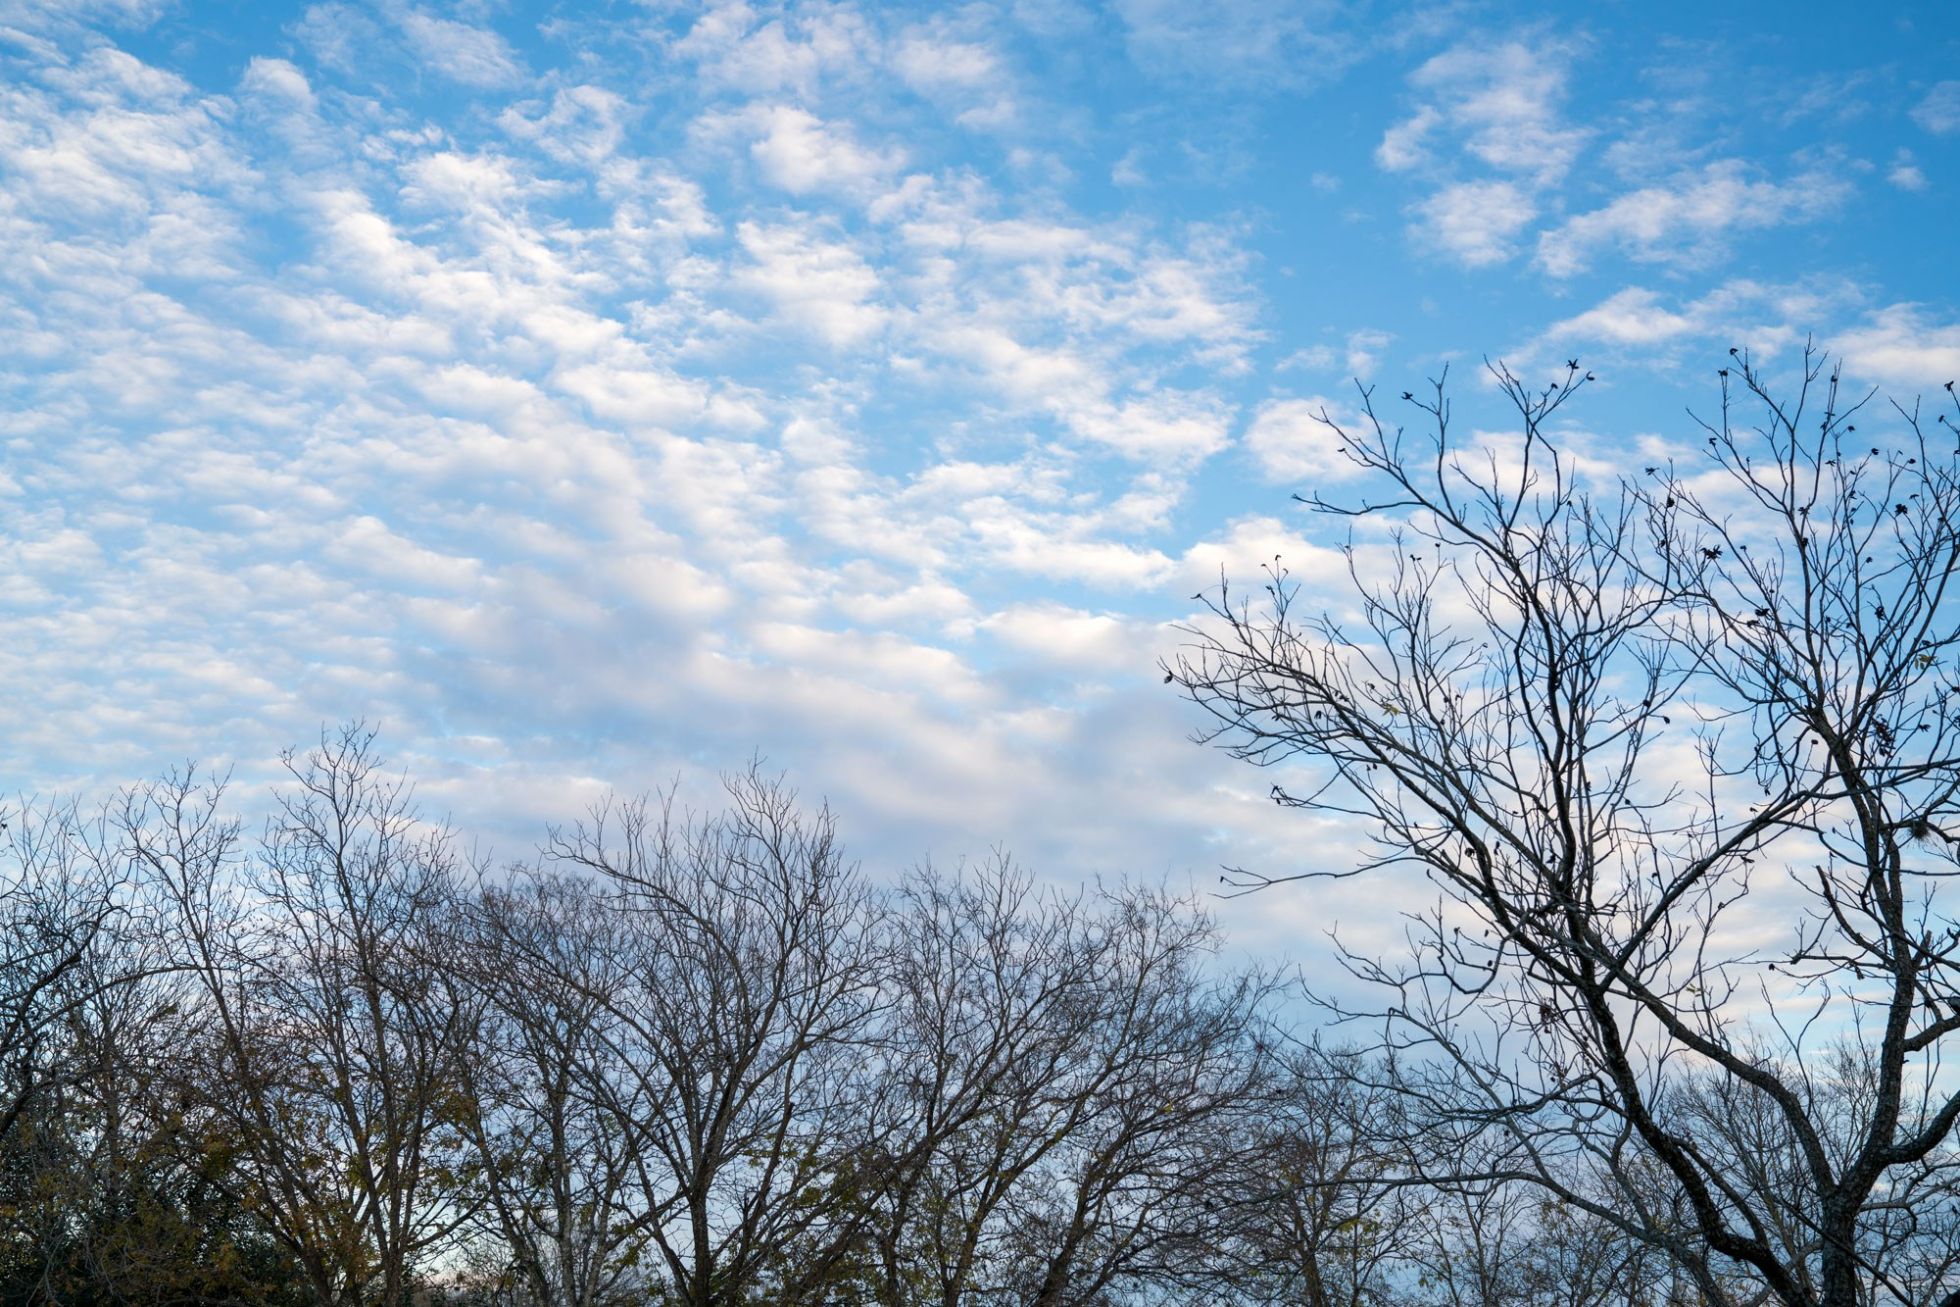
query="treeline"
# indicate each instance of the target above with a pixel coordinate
(688, 1059)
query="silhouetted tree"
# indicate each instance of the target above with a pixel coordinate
(1679, 749)
(1068, 1094)
(557, 1174)
(737, 994)
(334, 1039)
(57, 895)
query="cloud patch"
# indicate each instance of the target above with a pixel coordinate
(475, 57)
(821, 285)
(1503, 105)
(1939, 111)
(1294, 442)
(1689, 220)
(1475, 223)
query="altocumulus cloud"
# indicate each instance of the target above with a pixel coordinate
(552, 449)
(591, 401)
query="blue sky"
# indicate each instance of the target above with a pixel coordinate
(590, 394)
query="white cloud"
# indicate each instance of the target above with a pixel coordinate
(111, 140)
(1905, 173)
(1027, 375)
(1197, 298)
(1364, 349)
(859, 659)
(571, 442)
(642, 397)
(1311, 358)
(1241, 42)
(1402, 146)
(1037, 549)
(1475, 223)
(800, 153)
(1939, 112)
(465, 182)
(42, 14)
(1903, 345)
(473, 56)
(1164, 427)
(1355, 360)
(1502, 102)
(341, 37)
(964, 75)
(823, 286)
(369, 545)
(1686, 222)
(1895, 344)
(1633, 316)
(1062, 634)
(794, 54)
(277, 77)
(585, 124)
(934, 66)
(1247, 544)
(1293, 446)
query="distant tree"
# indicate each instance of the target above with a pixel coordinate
(58, 896)
(114, 1185)
(1069, 1086)
(1681, 749)
(736, 989)
(558, 1178)
(1322, 1219)
(1171, 1065)
(117, 1186)
(333, 1038)
(990, 994)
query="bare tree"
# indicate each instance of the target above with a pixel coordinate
(1325, 1221)
(1471, 1247)
(118, 1185)
(58, 895)
(1679, 750)
(553, 1162)
(990, 994)
(1172, 1064)
(335, 1043)
(1067, 1084)
(738, 994)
